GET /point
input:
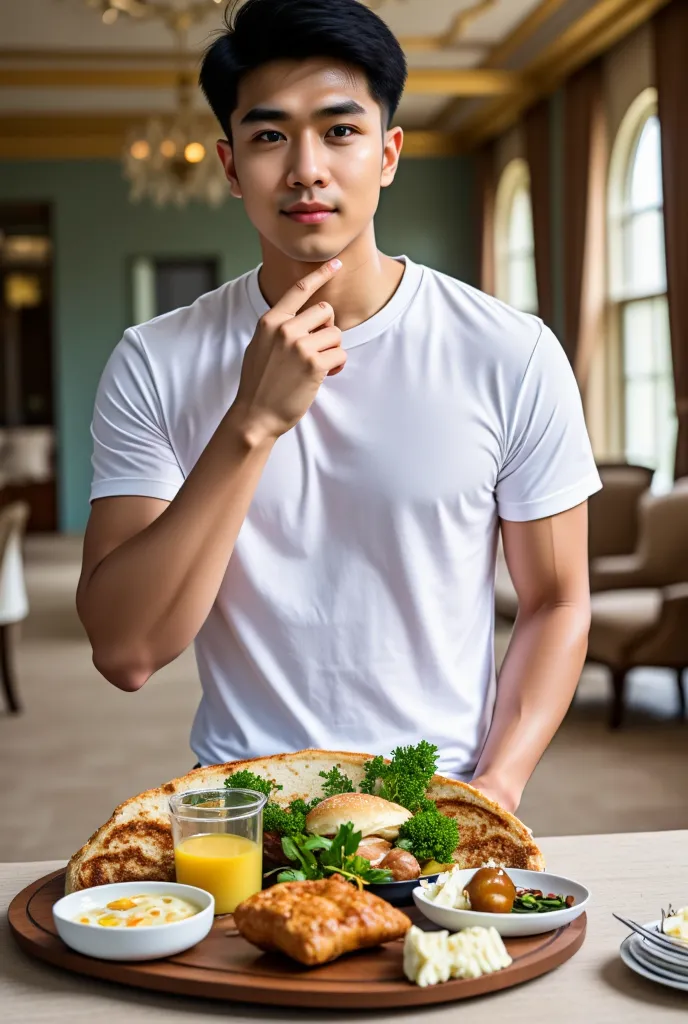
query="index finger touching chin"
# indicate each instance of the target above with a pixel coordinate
(295, 297)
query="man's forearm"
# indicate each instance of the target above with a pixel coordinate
(536, 685)
(146, 601)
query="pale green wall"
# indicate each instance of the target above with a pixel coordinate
(426, 213)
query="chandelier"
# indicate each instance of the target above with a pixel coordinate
(171, 159)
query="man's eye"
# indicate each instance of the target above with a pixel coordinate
(342, 128)
(276, 136)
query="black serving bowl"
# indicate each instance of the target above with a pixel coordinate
(399, 893)
(396, 893)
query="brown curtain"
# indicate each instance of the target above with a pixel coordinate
(584, 217)
(486, 190)
(671, 61)
(538, 155)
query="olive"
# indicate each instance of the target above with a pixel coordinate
(491, 891)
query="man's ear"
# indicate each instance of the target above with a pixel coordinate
(224, 151)
(391, 151)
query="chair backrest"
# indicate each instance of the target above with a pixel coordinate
(613, 511)
(663, 541)
(14, 602)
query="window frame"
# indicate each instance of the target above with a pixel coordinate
(620, 296)
(514, 179)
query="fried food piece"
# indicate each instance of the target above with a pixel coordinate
(314, 922)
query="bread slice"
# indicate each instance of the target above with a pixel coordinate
(136, 843)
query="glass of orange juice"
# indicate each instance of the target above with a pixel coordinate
(218, 843)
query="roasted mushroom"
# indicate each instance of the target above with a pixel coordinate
(374, 849)
(402, 864)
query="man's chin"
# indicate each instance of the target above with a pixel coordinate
(310, 253)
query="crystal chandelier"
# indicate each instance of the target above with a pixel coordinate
(171, 160)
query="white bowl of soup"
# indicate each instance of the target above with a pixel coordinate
(134, 920)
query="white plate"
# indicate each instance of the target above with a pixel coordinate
(652, 957)
(510, 925)
(645, 972)
(147, 942)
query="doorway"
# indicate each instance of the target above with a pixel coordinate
(27, 414)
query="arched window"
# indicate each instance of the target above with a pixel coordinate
(514, 245)
(638, 291)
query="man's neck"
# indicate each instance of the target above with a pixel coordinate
(367, 281)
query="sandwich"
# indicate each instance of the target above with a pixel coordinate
(370, 815)
(135, 844)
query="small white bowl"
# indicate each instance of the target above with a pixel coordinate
(146, 942)
(510, 925)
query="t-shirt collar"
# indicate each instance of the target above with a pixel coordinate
(374, 325)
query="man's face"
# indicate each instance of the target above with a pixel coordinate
(309, 133)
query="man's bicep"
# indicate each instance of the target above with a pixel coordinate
(112, 522)
(548, 558)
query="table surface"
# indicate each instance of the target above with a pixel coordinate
(635, 874)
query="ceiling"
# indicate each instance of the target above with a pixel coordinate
(71, 85)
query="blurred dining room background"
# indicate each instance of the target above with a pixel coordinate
(545, 161)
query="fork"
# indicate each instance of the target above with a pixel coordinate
(658, 938)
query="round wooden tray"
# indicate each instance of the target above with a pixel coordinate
(224, 966)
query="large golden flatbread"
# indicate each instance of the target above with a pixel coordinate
(136, 843)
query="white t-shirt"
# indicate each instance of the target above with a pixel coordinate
(357, 610)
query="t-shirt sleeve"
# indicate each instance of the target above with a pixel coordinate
(132, 453)
(548, 465)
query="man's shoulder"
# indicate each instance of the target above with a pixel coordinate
(495, 328)
(213, 312)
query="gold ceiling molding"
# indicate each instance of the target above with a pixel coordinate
(43, 57)
(462, 82)
(509, 93)
(453, 36)
(421, 81)
(522, 32)
(592, 34)
(450, 39)
(502, 51)
(88, 78)
(93, 137)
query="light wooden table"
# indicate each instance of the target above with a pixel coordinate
(635, 874)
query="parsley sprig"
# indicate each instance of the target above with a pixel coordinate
(405, 779)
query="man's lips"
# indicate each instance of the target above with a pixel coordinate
(309, 217)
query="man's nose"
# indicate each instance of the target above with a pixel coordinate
(309, 165)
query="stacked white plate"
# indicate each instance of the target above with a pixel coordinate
(664, 965)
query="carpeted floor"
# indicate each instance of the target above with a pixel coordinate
(81, 746)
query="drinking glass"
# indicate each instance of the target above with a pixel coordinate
(218, 843)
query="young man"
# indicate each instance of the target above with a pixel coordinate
(305, 471)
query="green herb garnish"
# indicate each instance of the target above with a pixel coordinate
(248, 780)
(533, 902)
(405, 779)
(319, 857)
(430, 835)
(336, 782)
(286, 822)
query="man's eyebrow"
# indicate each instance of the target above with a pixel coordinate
(257, 114)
